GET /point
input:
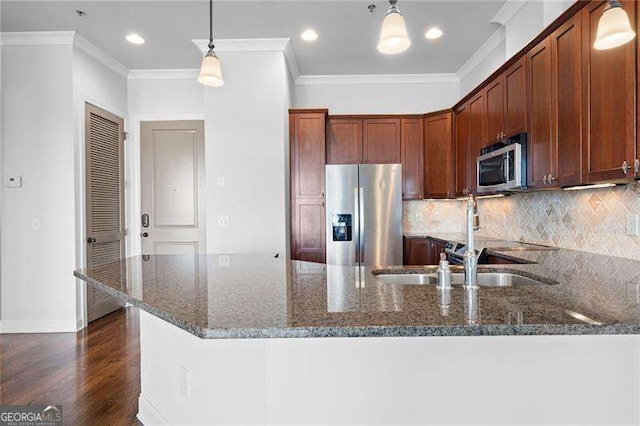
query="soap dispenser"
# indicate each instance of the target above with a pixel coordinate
(444, 272)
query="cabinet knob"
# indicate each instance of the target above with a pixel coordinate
(625, 167)
(552, 178)
(91, 240)
(544, 180)
(636, 166)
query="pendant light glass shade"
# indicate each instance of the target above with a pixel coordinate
(393, 35)
(614, 28)
(211, 70)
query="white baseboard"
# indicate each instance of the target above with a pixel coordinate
(148, 414)
(38, 326)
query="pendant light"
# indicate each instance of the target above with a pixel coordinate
(614, 28)
(393, 34)
(211, 71)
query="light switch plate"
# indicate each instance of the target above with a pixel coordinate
(633, 225)
(221, 181)
(35, 224)
(14, 182)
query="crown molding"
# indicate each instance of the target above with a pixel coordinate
(100, 55)
(255, 45)
(507, 11)
(364, 79)
(37, 38)
(62, 38)
(492, 43)
(169, 74)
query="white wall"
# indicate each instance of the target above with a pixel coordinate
(246, 142)
(38, 289)
(105, 88)
(167, 95)
(487, 59)
(357, 97)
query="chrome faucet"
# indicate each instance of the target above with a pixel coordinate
(471, 255)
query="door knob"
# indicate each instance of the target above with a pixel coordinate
(144, 234)
(91, 240)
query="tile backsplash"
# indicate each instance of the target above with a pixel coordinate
(591, 220)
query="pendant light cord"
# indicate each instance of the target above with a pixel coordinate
(211, 45)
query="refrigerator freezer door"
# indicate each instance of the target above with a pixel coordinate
(380, 214)
(342, 218)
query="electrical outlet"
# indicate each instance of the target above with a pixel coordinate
(185, 381)
(223, 221)
(633, 225)
(224, 260)
(221, 181)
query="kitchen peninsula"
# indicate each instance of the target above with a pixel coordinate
(290, 338)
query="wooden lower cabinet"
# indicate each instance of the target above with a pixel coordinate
(422, 250)
(308, 230)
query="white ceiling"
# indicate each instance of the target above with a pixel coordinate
(348, 32)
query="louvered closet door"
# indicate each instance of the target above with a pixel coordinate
(104, 146)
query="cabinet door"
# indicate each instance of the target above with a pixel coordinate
(308, 230)
(566, 75)
(477, 114)
(438, 156)
(609, 101)
(494, 93)
(417, 251)
(412, 143)
(307, 154)
(344, 141)
(515, 98)
(541, 142)
(461, 150)
(382, 141)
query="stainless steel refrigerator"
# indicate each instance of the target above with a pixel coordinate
(364, 214)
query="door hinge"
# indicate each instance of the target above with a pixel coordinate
(125, 135)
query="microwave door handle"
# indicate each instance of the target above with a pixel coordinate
(504, 168)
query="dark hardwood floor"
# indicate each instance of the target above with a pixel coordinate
(94, 374)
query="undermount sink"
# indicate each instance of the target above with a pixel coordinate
(489, 279)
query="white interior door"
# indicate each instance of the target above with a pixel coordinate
(173, 187)
(104, 148)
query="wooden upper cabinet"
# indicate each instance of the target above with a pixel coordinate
(515, 98)
(609, 114)
(494, 94)
(541, 142)
(381, 141)
(461, 149)
(344, 141)
(477, 114)
(438, 156)
(566, 74)
(307, 130)
(412, 144)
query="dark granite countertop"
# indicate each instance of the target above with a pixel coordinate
(258, 296)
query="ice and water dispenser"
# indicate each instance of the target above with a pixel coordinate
(341, 227)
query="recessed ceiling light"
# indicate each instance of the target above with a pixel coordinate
(135, 39)
(309, 35)
(433, 33)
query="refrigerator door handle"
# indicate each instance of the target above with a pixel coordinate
(356, 224)
(361, 225)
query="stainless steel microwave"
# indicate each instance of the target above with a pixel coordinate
(503, 166)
